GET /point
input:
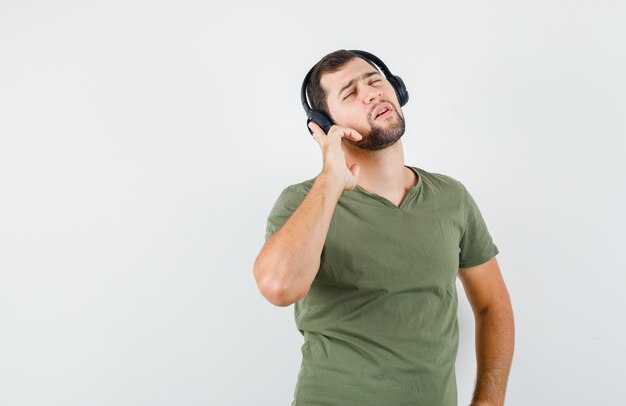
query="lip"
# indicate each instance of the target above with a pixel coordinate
(384, 115)
(381, 106)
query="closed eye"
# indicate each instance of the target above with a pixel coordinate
(350, 94)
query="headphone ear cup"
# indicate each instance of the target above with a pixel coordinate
(320, 118)
(400, 88)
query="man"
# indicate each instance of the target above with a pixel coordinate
(369, 251)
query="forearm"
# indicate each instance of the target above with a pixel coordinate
(290, 260)
(495, 339)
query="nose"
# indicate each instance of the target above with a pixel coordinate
(372, 93)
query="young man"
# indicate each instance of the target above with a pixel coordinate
(369, 251)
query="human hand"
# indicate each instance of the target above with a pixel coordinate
(334, 160)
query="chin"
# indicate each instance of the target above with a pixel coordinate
(379, 137)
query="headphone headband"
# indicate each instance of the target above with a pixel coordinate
(323, 119)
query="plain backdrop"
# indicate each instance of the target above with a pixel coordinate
(143, 144)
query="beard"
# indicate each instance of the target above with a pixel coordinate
(381, 136)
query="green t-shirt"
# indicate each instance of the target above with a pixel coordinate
(380, 320)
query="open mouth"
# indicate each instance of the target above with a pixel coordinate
(383, 111)
(383, 114)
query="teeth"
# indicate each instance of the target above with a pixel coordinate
(382, 112)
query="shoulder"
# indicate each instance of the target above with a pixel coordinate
(293, 194)
(440, 182)
(301, 188)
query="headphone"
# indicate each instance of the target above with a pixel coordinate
(323, 120)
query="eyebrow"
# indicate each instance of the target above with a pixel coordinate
(350, 83)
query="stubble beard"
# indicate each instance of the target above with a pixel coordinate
(381, 137)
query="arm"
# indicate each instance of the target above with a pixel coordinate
(495, 332)
(290, 259)
(288, 262)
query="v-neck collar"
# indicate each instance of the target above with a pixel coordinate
(406, 199)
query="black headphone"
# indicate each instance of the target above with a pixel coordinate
(323, 119)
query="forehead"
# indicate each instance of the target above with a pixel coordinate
(333, 82)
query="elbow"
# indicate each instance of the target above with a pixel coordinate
(273, 290)
(279, 297)
(277, 294)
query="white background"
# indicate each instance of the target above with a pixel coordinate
(143, 144)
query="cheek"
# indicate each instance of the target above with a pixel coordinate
(390, 94)
(358, 117)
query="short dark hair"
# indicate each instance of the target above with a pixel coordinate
(328, 64)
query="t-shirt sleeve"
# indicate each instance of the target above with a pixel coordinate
(476, 243)
(287, 203)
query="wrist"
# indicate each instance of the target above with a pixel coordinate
(330, 182)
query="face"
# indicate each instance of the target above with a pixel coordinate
(355, 95)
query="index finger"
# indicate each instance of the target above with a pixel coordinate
(348, 132)
(317, 130)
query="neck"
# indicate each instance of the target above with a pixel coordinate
(382, 172)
